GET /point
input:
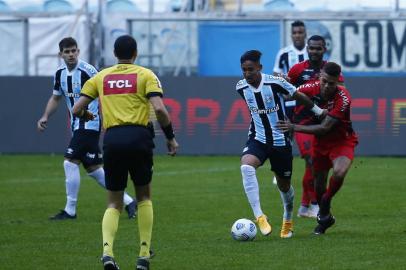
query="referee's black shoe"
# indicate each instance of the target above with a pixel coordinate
(142, 263)
(109, 263)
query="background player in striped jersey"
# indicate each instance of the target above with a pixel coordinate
(290, 55)
(301, 73)
(84, 145)
(293, 53)
(264, 95)
(334, 140)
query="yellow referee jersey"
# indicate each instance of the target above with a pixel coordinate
(123, 91)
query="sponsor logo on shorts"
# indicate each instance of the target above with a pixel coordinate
(245, 149)
(89, 155)
(69, 151)
(287, 173)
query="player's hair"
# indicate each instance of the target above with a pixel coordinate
(252, 55)
(297, 24)
(125, 47)
(332, 69)
(317, 38)
(67, 43)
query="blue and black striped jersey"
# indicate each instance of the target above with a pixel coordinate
(266, 106)
(287, 57)
(69, 83)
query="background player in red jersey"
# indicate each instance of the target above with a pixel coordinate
(301, 73)
(334, 140)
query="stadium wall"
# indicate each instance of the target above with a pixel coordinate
(208, 115)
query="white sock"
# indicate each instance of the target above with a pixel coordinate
(99, 176)
(287, 199)
(127, 199)
(250, 182)
(72, 183)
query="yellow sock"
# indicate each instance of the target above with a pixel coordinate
(145, 221)
(109, 229)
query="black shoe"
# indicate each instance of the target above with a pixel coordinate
(62, 216)
(131, 209)
(142, 263)
(324, 223)
(109, 263)
(151, 254)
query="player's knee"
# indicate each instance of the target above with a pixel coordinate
(339, 173)
(247, 170)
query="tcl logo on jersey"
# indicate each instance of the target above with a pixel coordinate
(114, 84)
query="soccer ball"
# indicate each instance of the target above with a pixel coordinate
(243, 230)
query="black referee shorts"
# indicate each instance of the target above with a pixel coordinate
(127, 149)
(280, 157)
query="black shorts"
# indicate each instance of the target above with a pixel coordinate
(280, 157)
(127, 149)
(84, 146)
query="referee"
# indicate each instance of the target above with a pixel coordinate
(125, 91)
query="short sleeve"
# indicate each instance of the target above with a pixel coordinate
(278, 64)
(89, 89)
(57, 84)
(293, 74)
(341, 105)
(153, 85)
(285, 87)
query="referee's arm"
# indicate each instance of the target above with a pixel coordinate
(164, 121)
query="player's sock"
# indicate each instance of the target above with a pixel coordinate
(250, 182)
(287, 199)
(109, 229)
(98, 175)
(127, 199)
(145, 222)
(308, 188)
(333, 187)
(72, 183)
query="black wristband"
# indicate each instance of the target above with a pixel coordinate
(168, 131)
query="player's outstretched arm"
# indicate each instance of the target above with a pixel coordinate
(79, 109)
(50, 109)
(164, 121)
(326, 126)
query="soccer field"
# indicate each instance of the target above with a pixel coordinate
(196, 200)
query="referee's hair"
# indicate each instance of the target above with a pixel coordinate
(125, 47)
(252, 55)
(67, 43)
(297, 24)
(332, 69)
(317, 38)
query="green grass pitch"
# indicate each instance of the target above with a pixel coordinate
(196, 200)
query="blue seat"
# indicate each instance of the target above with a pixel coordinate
(121, 6)
(58, 5)
(278, 5)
